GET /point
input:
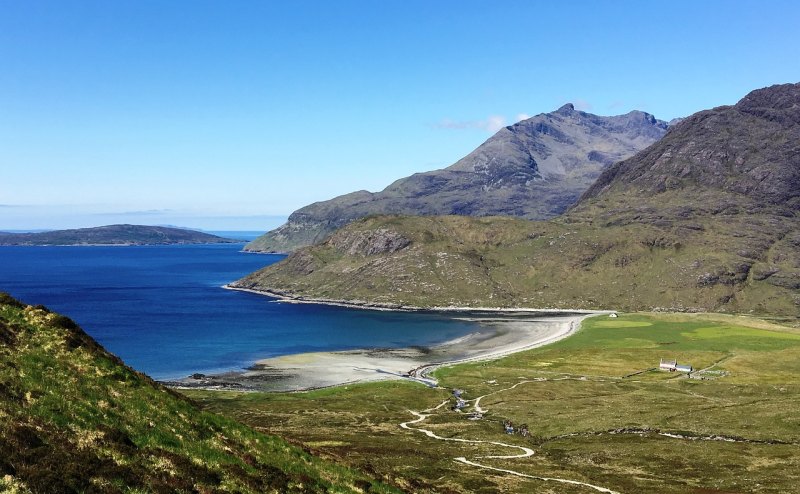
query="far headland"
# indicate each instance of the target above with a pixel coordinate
(114, 235)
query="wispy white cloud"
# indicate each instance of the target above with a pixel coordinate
(495, 123)
(522, 116)
(492, 123)
(146, 212)
(582, 105)
(70, 216)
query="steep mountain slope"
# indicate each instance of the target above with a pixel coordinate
(74, 418)
(114, 235)
(533, 169)
(743, 159)
(705, 219)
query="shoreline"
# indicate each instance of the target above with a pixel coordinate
(500, 332)
(243, 251)
(424, 371)
(361, 304)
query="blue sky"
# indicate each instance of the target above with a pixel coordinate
(230, 115)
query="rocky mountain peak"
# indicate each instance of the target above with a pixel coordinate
(779, 103)
(533, 169)
(566, 109)
(643, 116)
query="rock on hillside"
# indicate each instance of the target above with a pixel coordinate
(380, 241)
(533, 169)
(706, 219)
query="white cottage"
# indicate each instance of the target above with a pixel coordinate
(673, 366)
(667, 365)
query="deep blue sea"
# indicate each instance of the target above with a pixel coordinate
(163, 311)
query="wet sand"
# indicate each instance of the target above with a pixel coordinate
(500, 333)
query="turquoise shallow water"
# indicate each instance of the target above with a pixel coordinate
(163, 311)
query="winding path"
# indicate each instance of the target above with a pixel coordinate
(525, 475)
(525, 452)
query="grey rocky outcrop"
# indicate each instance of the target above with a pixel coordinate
(368, 243)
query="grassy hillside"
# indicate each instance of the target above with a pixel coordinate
(74, 418)
(736, 264)
(733, 429)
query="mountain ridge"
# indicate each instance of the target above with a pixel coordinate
(723, 236)
(535, 169)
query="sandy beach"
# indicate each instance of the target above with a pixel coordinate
(500, 333)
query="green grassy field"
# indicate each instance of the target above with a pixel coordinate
(738, 429)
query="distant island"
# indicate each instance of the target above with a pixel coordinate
(114, 235)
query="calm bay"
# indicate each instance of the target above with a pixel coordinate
(163, 311)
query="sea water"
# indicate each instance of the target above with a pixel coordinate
(163, 310)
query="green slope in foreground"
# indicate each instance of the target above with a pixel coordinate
(734, 431)
(74, 418)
